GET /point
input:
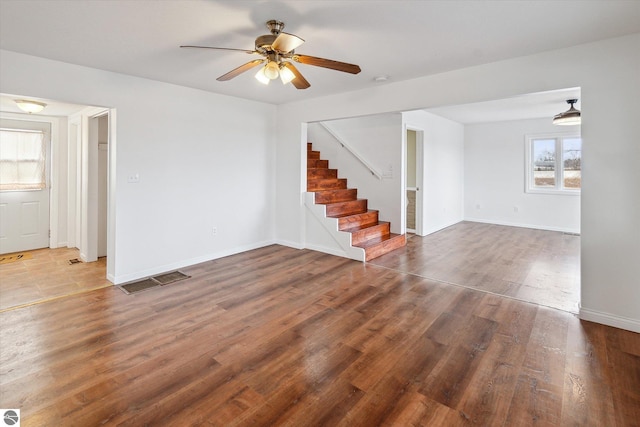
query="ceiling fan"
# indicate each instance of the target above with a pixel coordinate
(278, 54)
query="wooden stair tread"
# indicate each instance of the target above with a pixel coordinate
(364, 227)
(349, 221)
(350, 207)
(377, 240)
(321, 184)
(316, 173)
(343, 215)
(342, 201)
(317, 164)
(336, 195)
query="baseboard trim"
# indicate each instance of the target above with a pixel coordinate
(440, 228)
(124, 278)
(288, 243)
(515, 224)
(330, 251)
(608, 319)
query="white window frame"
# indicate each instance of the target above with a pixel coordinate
(559, 167)
(33, 127)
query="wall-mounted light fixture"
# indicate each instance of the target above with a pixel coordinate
(569, 117)
(30, 106)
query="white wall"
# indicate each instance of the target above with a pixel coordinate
(204, 160)
(494, 156)
(443, 169)
(607, 73)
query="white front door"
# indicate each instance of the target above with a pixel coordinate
(24, 220)
(24, 189)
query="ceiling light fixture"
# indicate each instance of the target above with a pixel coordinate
(261, 77)
(569, 117)
(286, 75)
(272, 71)
(30, 106)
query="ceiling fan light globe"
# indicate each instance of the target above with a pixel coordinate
(271, 70)
(261, 77)
(286, 75)
(567, 120)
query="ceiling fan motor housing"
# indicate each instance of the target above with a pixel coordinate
(275, 26)
(263, 43)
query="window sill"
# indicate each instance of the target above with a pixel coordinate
(554, 192)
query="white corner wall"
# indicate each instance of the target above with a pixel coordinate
(494, 157)
(607, 73)
(204, 160)
(443, 169)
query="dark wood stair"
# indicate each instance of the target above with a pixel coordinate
(353, 214)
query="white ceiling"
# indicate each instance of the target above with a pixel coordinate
(530, 106)
(401, 39)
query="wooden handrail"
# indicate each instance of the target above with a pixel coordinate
(351, 150)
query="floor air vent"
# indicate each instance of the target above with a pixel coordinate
(152, 282)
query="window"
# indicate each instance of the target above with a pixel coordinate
(22, 160)
(554, 164)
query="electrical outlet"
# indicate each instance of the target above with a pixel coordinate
(133, 178)
(215, 231)
(515, 209)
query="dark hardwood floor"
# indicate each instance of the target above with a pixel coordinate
(278, 336)
(536, 266)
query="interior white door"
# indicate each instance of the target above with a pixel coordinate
(24, 220)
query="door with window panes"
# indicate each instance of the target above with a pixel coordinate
(24, 189)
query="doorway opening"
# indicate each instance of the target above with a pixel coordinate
(80, 174)
(413, 166)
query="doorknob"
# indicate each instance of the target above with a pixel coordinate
(417, 188)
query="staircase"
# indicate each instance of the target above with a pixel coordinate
(353, 214)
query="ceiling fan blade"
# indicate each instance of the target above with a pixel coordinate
(241, 69)
(327, 63)
(221, 48)
(299, 82)
(286, 42)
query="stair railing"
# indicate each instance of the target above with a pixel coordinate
(351, 150)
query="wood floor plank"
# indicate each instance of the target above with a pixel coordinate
(460, 362)
(278, 336)
(487, 399)
(538, 397)
(587, 395)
